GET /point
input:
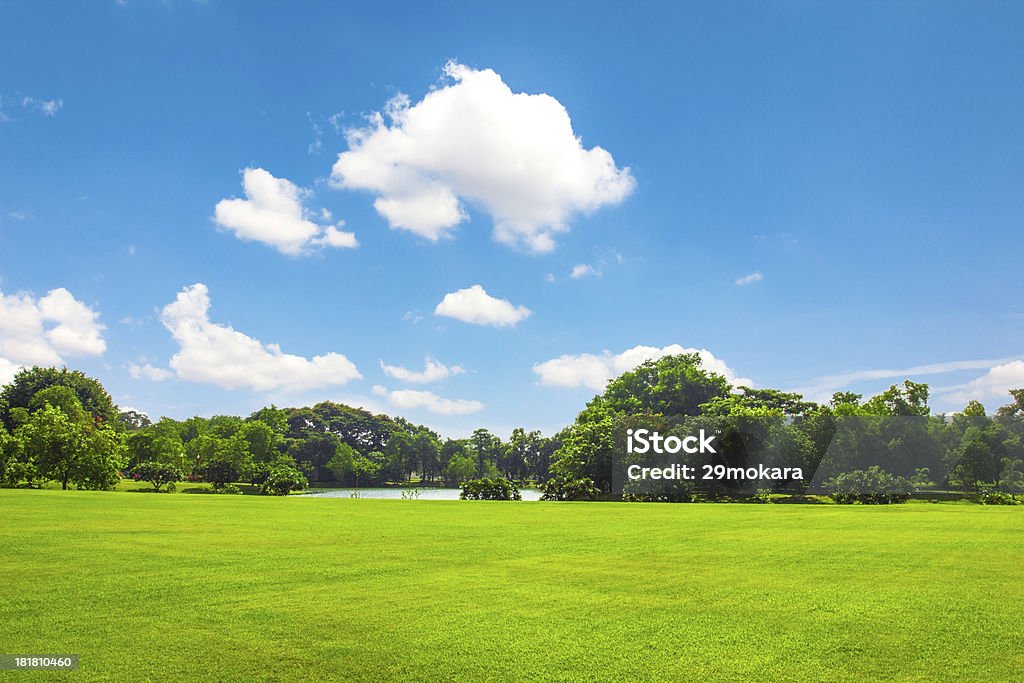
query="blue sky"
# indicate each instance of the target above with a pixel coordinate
(821, 196)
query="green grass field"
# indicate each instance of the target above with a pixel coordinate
(168, 587)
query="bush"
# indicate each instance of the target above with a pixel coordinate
(157, 473)
(229, 489)
(281, 480)
(873, 486)
(656, 491)
(565, 488)
(489, 489)
(997, 498)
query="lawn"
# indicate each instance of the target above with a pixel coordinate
(158, 587)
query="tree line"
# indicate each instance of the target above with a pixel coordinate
(61, 425)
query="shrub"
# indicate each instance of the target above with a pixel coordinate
(566, 488)
(656, 491)
(489, 489)
(873, 486)
(158, 474)
(228, 489)
(997, 498)
(282, 479)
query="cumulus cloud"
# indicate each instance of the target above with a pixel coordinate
(43, 331)
(594, 370)
(993, 387)
(582, 270)
(274, 213)
(751, 278)
(410, 399)
(147, 371)
(433, 371)
(475, 141)
(218, 354)
(474, 305)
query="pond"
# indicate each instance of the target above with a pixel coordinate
(424, 493)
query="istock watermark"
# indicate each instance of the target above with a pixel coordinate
(642, 441)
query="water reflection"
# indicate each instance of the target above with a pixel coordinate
(415, 494)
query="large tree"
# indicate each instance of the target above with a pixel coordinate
(28, 382)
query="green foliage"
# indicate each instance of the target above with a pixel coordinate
(92, 397)
(151, 445)
(873, 486)
(282, 479)
(461, 467)
(65, 445)
(132, 420)
(159, 474)
(490, 489)
(922, 479)
(998, 498)
(565, 487)
(673, 385)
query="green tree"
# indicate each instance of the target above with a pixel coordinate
(342, 463)
(159, 474)
(93, 398)
(461, 467)
(132, 420)
(1011, 478)
(670, 386)
(71, 452)
(487, 449)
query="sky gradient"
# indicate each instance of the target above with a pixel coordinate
(472, 215)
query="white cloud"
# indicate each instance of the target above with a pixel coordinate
(474, 140)
(43, 331)
(409, 399)
(993, 386)
(550, 277)
(582, 270)
(822, 388)
(594, 370)
(333, 237)
(218, 354)
(474, 305)
(46, 107)
(756, 276)
(273, 213)
(149, 372)
(432, 372)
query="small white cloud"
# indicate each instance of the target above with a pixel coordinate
(409, 399)
(43, 331)
(333, 237)
(218, 354)
(273, 213)
(147, 371)
(433, 371)
(582, 270)
(474, 140)
(412, 317)
(594, 370)
(550, 277)
(474, 305)
(756, 276)
(45, 107)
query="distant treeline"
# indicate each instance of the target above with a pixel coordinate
(60, 425)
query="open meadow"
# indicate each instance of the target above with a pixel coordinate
(150, 587)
